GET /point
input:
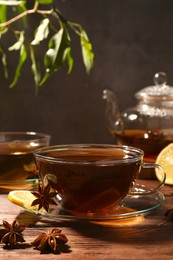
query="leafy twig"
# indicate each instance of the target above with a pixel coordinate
(59, 49)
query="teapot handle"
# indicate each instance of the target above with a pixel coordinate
(112, 109)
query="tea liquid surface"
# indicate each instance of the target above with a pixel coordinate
(16, 162)
(151, 142)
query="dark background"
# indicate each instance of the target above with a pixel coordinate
(132, 40)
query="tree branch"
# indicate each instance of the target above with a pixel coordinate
(27, 12)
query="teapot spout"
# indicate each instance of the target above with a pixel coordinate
(112, 111)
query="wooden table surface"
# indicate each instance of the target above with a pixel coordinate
(142, 237)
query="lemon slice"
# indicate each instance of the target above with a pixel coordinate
(165, 159)
(23, 198)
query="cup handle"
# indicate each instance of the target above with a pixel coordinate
(152, 190)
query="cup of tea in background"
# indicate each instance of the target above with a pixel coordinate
(92, 178)
(17, 165)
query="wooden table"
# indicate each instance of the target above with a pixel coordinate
(139, 238)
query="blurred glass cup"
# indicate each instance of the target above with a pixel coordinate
(17, 166)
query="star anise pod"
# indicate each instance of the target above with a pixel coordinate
(44, 197)
(52, 240)
(12, 233)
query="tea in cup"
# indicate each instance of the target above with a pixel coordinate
(16, 158)
(92, 178)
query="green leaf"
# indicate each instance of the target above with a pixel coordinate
(4, 62)
(87, 53)
(11, 3)
(59, 51)
(41, 32)
(22, 59)
(3, 30)
(67, 57)
(20, 9)
(45, 2)
(35, 67)
(3, 16)
(3, 10)
(53, 57)
(45, 78)
(17, 46)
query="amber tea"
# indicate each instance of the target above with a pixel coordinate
(16, 165)
(151, 142)
(90, 186)
(16, 155)
(89, 179)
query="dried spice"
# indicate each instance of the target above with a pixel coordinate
(12, 233)
(50, 241)
(44, 197)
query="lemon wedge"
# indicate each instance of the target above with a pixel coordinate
(165, 159)
(23, 198)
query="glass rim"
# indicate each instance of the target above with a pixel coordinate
(35, 136)
(40, 153)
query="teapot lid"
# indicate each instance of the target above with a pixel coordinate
(158, 92)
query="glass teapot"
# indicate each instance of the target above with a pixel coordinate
(149, 124)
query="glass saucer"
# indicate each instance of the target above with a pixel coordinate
(130, 207)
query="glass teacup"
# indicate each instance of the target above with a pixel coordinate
(92, 178)
(16, 158)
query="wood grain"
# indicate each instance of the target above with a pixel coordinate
(139, 238)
